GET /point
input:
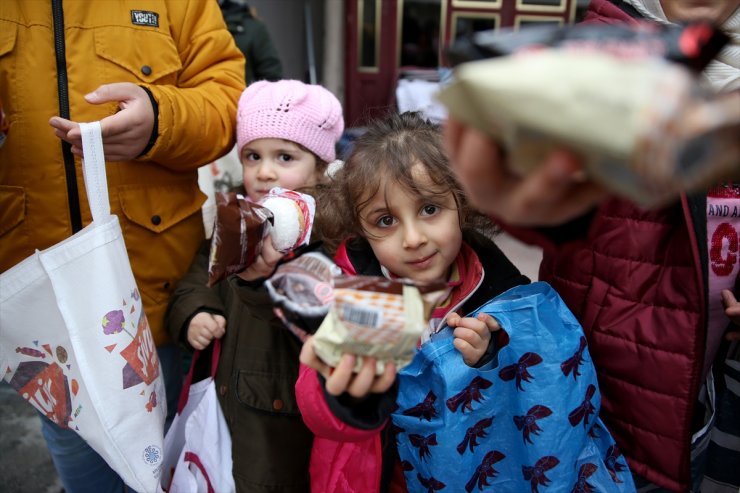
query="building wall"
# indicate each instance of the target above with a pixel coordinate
(286, 21)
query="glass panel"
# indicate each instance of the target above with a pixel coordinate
(466, 26)
(420, 33)
(474, 3)
(368, 26)
(544, 3)
(535, 21)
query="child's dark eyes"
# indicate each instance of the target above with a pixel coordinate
(252, 156)
(385, 221)
(286, 158)
(429, 210)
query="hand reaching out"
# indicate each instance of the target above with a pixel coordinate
(472, 335)
(732, 310)
(554, 193)
(342, 378)
(126, 133)
(203, 328)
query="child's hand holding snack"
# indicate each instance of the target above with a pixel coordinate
(238, 244)
(204, 327)
(264, 263)
(343, 378)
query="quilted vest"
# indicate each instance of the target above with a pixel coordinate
(635, 283)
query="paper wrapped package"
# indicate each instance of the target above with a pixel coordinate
(293, 214)
(644, 125)
(377, 317)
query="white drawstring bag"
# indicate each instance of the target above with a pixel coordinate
(75, 343)
(197, 448)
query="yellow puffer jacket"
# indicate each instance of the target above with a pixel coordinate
(182, 53)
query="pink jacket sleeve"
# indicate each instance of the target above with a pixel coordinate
(317, 415)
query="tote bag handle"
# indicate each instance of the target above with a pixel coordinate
(93, 169)
(215, 357)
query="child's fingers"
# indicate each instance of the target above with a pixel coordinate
(220, 320)
(475, 336)
(491, 323)
(470, 354)
(309, 358)
(257, 270)
(339, 379)
(215, 326)
(453, 319)
(270, 254)
(217, 329)
(200, 341)
(477, 325)
(195, 343)
(384, 381)
(363, 381)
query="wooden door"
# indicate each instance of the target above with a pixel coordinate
(466, 16)
(370, 61)
(386, 39)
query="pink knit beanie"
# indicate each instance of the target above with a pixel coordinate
(309, 115)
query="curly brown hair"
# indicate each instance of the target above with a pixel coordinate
(388, 151)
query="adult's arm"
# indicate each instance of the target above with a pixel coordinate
(197, 117)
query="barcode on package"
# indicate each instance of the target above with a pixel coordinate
(362, 316)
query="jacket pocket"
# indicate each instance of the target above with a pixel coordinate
(163, 227)
(271, 447)
(149, 55)
(268, 392)
(7, 37)
(12, 207)
(158, 208)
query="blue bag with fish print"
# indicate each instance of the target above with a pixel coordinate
(527, 421)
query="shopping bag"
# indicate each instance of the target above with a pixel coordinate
(528, 421)
(76, 344)
(197, 447)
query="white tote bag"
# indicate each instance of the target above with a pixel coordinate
(75, 343)
(197, 448)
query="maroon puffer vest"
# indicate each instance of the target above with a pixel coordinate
(637, 287)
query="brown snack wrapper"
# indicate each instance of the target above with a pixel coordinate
(377, 317)
(237, 235)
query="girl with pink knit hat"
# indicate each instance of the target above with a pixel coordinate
(286, 135)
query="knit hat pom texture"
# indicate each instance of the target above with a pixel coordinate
(307, 114)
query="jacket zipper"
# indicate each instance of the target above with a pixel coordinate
(442, 323)
(73, 196)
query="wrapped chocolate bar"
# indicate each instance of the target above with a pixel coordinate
(628, 101)
(293, 214)
(302, 292)
(374, 316)
(237, 235)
